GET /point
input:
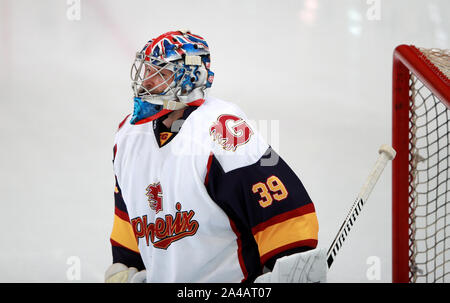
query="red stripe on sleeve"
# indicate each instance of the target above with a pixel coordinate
(303, 210)
(239, 243)
(309, 243)
(122, 215)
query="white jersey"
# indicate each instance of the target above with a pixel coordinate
(192, 214)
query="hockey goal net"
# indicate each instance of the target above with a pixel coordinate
(421, 169)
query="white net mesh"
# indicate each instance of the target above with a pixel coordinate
(440, 58)
(429, 194)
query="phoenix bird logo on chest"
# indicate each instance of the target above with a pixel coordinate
(165, 230)
(154, 194)
(230, 131)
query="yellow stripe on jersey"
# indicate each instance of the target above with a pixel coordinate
(305, 227)
(123, 234)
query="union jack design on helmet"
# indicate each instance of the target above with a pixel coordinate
(172, 46)
(177, 66)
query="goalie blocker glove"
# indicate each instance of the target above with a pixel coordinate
(306, 267)
(120, 273)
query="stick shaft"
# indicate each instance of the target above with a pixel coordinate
(386, 154)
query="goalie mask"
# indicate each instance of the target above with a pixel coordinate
(170, 73)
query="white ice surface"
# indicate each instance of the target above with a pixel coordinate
(319, 70)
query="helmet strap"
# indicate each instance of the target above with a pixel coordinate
(173, 105)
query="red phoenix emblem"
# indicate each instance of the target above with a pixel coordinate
(230, 131)
(154, 194)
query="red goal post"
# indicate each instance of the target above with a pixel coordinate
(420, 171)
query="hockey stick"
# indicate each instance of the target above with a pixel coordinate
(387, 153)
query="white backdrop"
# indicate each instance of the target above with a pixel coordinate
(318, 72)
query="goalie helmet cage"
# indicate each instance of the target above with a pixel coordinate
(420, 171)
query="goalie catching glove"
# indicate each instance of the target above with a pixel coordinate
(120, 273)
(305, 267)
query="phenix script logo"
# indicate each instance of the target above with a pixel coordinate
(164, 232)
(154, 194)
(230, 132)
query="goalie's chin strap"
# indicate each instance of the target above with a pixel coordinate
(173, 105)
(167, 102)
